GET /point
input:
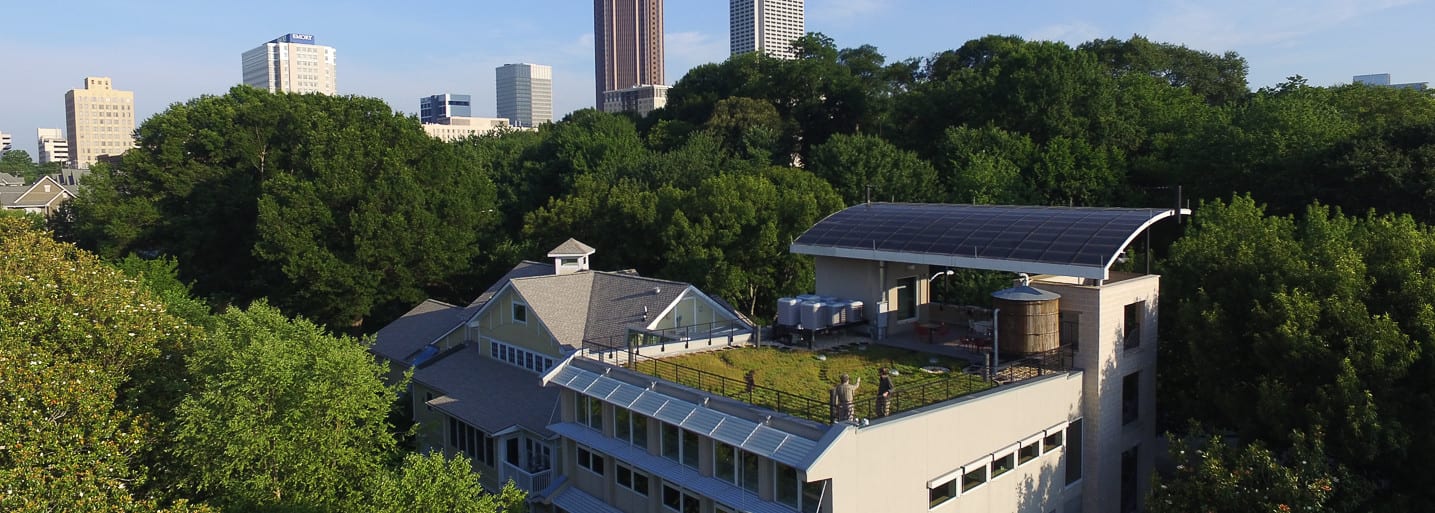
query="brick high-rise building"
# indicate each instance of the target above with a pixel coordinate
(627, 44)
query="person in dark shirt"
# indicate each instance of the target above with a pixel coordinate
(884, 393)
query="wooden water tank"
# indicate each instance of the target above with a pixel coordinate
(1029, 320)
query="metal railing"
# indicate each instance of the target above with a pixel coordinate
(639, 341)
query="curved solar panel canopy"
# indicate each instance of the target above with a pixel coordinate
(1067, 241)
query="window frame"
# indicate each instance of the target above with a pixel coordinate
(950, 487)
(518, 312)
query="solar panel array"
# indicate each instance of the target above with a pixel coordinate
(1080, 236)
(735, 431)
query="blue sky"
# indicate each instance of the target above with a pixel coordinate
(168, 51)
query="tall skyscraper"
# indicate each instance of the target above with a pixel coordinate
(51, 146)
(627, 44)
(292, 64)
(432, 108)
(101, 121)
(525, 94)
(769, 26)
(5, 142)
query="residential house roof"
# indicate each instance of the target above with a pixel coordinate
(44, 193)
(596, 305)
(571, 247)
(9, 179)
(400, 340)
(489, 394)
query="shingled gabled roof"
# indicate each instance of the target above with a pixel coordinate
(571, 247)
(598, 306)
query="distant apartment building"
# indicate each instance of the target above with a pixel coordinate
(456, 128)
(1383, 80)
(51, 146)
(432, 108)
(525, 93)
(292, 63)
(627, 44)
(641, 99)
(5, 141)
(769, 26)
(101, 121)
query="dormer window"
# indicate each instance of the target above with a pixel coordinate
(569, 262)
(520, 313)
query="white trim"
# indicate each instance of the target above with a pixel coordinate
(955, 474)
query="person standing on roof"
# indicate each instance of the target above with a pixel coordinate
(844, 394)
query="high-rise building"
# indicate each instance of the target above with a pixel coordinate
(627, 44)
(52, 146)
(431, 108)
(5, 142)
(769, 26)
(292, 64)
(101, 121)
(525, 93)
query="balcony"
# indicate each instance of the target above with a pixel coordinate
(525, 480)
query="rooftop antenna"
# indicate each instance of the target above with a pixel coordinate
(869, 194)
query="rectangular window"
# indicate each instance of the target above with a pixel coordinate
(591, 413)
(1028, 452)
(1052, 441)
(812, 494)
(511, 451)
(671, 444)
(672, 498)
(1070, 329)
(786, 485)
(622, 423)
(749, 471)
(1073, 452)
(690, 449)
(1128, 480)
(941, 493)
(632, 479)
(1131, 398)
(1132, 331)
(725, 462)
(1003, 464)
(592, 461)
(520, 313)
(973, 477)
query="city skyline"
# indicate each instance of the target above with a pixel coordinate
(393, 53)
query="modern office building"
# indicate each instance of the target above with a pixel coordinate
(769, 26)
(640, 99)
(5, 142)
(52, 146)
(627, 44)
(1383, 80)
(525, 93)
(433, 108)
(292, 63)
(101, 121)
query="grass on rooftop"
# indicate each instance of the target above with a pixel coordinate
(803, 374)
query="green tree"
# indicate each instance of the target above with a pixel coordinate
(283, 416)
(330, 206)
(18, 163)
(434, 483)
(851, 163)
(78, 344)
(1218, 478)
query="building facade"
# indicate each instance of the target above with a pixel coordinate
(432, 108)
(641, 99)
(51, 146)
(292, 63)
(525, 93)
(456, 128)
(1383, 80)
(101, 121)
(5, 141)
(769, 26)
(627, 44)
